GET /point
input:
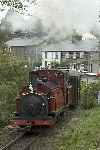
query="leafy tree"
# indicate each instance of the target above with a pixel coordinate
(3, 38)
(13, 75)
(62, 64)
(55, 64)
(88, 94)
(65, 63)
(14, 3)
(5, 31)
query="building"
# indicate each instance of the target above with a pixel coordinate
(81, 55)
(26, 48)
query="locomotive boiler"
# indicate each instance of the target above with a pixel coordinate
(46, 98)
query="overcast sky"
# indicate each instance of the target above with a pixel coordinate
(80, 14)
(60, 14)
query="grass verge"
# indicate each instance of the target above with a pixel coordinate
(82, 133)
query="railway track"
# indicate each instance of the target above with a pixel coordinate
(22, 142)
(28, 140)
(40, 139)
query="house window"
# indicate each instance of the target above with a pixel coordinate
(81, 54)
(71, 55)
(67, 55)
(45, 55)
(74, 55)
(77, 54)
(74, 65)
(56, 55)
(86, 55)
(91, 68)
(45, 63)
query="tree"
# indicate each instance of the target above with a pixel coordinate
(13, 76)
(14, 3)
(4, 34)
(55, 64)
(3, 39)
(88, 94)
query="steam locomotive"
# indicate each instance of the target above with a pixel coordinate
(49, 93)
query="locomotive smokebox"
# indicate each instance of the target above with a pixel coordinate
(34, 105)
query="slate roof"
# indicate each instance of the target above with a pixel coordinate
(19, 42)
(86, 45)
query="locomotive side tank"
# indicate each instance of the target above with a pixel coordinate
(45, 98)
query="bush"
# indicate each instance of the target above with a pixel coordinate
(12, 77)
(82, 134)
(88, 95)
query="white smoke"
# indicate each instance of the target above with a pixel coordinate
(60, 17)
(79, 14)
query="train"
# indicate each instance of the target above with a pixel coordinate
(49, 93)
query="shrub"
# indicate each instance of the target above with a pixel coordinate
(88, 95)
(83, 133)
(12, 77)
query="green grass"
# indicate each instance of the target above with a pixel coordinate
(82, 133)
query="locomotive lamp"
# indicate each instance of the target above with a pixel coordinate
(30, 88)
(43, 104)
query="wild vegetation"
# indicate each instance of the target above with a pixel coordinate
(82, 133)
(17, 4)
(13, 75)
(89, 94)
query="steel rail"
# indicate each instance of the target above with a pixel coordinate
(12, 142)
(28, 145)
